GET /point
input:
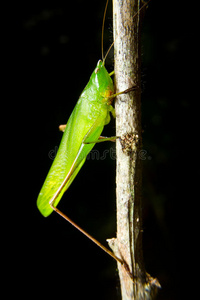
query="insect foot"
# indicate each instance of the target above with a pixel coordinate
(129, 142)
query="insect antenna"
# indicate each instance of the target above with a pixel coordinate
(104, 17)
(108, 52)
(104, 57)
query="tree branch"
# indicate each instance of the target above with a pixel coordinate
(128, 245)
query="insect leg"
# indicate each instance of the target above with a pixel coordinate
(134, 87)
(62, 128)
(87, 235)
(103, 139)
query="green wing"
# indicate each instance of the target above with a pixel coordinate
(85, 124)
(72, 152)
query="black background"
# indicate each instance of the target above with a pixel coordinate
(53, 47)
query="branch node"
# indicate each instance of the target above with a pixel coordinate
(129, 142)
(114, 246)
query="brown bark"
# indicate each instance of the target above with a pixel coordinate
(128, 244)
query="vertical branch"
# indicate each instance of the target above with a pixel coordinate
(128, 244)
(128, 127)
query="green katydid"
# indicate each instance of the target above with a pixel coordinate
(82, 131)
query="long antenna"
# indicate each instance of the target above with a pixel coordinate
(104, 17)
(104, 57)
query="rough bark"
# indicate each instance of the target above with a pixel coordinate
(128, 244)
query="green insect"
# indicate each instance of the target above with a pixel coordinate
(82, 131)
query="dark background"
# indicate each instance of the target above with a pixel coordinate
(53, 49)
